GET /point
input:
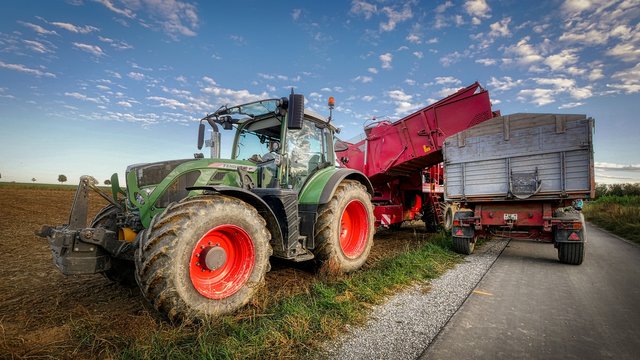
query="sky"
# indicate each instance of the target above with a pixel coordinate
(92, 86)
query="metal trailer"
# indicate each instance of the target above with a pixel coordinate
(401, 158)
(522, 176)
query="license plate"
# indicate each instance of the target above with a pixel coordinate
(510, 217)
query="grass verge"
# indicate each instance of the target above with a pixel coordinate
(618, 214)
(295, 326)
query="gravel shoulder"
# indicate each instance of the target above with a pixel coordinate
(408, 322)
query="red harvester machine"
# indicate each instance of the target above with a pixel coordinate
(403, 158)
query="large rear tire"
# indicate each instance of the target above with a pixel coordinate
(344, 229)
(203, 257)
(122, 271)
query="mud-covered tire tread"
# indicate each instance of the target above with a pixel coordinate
(328, 253)
(122, 272)
(166, 284)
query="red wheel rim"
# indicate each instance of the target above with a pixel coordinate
(221, 261)
(354, 229)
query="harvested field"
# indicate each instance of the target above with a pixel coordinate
(46, 314)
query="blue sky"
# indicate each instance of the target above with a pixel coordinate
(91, 86)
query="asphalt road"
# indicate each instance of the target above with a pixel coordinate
(529, 306)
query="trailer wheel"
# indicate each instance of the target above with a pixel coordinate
(122, 271)
(467, 243)
(464, 245)
(568, 252)
(571, 253)
(203, 257)
(344, 229)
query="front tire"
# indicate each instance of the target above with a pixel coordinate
(344, 229)
(203, 257)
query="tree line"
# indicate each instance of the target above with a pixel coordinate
(617, 190)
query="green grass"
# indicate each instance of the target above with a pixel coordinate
(295, 326)
(618, 214)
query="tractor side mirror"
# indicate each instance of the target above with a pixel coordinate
(296, 111)
(200, 136)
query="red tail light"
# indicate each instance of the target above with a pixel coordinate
(456, 222)
(459, 232)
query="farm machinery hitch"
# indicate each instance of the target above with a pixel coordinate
(78, 249)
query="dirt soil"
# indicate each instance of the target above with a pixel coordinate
(44, 314)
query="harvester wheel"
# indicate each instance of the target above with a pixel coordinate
(203, 257)
(121, 271)
(344, 229)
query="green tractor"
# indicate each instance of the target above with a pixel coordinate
(196, 234)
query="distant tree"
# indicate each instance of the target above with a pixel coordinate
(62, 178)
(107, 182)
(33, 179)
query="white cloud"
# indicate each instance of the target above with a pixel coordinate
(37, 28)
(477, 9)
(413, 38)
(372, 70)
(523, 52)
(118, 44)
(504, 84)
(626, 52)
(418, 54)
(363, 79)
(559, 61)
(103, 87)
(444, 6)
(92, 49)
(539, 97)
(629, 80)
(576, 6)
(363, 8)
(229, 96)
(169, 103)
(399, 95)
(395, 17)
(26, 70)
(570, 105)
(75, 28)
(486, 62)
(367, 98)
(124, 12)
(446, 80)
(124, 104)
(432, 41)
(38, 47)
(612, 166)
(500, 28)
(83, 97)
(386, 60)
(295, 14)
(135, 75)
(410, 82)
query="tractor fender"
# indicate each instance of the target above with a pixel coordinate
(319, 190)
(253, 200)
(321, 187)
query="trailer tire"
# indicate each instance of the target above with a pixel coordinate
(203, 257)
(122, 271)
(571, 253)
(463, 245)
(344, 229)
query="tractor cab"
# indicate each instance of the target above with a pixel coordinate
(286, 147)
